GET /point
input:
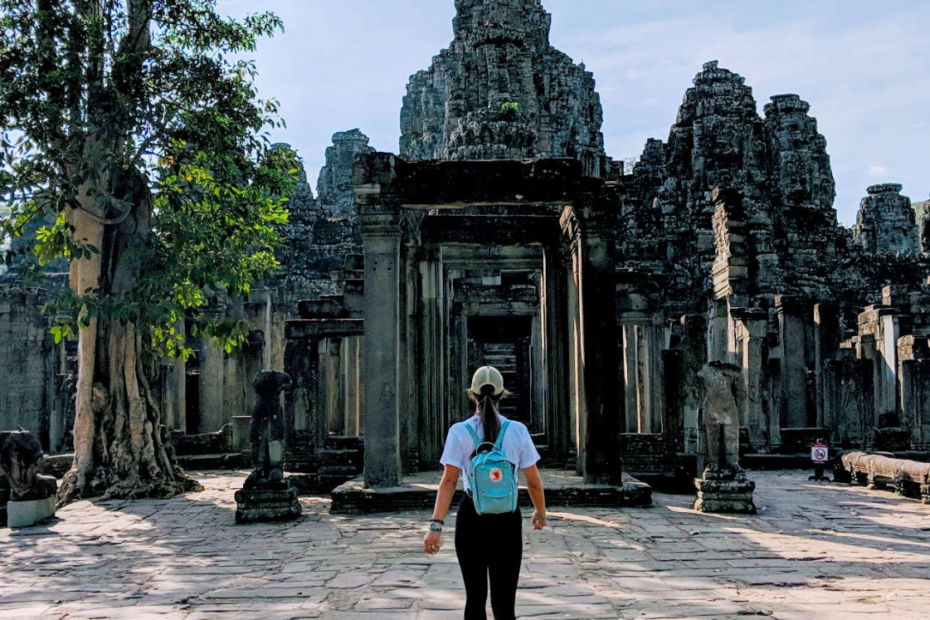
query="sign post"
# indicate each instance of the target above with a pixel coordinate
(820, 454)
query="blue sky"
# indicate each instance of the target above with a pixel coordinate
(864, 66)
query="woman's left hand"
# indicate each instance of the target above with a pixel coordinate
(431, 543)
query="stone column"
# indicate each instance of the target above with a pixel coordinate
(791, 313)
(589, 226)
(303, 404)
(914, 379)
(432, 360)
(335, 387)
(556, 334)
(827, 337)
(631, 383)
(350, 360)
(382, 359)
(887, 394)
(212, 382)
(694, 357)
(751, 327)
(379, 223)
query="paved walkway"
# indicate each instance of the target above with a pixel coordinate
(815, 552)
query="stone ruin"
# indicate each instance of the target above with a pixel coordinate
(724, 486)
(501, 214)
(266, 496)
(27, 497)
(904, 477)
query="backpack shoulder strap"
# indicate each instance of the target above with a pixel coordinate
(500, 435)
(473, 433)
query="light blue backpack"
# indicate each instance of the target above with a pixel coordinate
(493, 479)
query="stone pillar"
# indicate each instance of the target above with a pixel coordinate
(791, 313)
(589, 226)
(408, 373)
(383, 354)
(631, 383)
(914, 379)
(432, 360)
(351, 359)
(212, 382)
(827, 337)
(694, 357)
(887, 394)
(672, 368)
(751, 327)
(304, 405)
(335, 387)
(556, 334)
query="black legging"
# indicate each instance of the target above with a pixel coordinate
(489, 545)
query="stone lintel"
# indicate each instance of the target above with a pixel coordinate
(791, 304)
(320, 309)
(434, 182)
(324, 328)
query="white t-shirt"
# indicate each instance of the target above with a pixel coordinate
(517, 445)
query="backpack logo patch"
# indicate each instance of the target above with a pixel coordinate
(496, 475)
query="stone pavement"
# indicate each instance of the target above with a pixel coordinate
(815, 552)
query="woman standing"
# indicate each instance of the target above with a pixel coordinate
(490, 546)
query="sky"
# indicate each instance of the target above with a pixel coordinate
(864, 67)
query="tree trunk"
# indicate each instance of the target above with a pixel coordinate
(119, 438)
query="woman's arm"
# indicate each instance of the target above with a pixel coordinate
(535, 487)
(450, 478)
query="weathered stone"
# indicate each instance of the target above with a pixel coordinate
(266, 496)
(21, 459)
(887, 222)
(27, 513)
(724, 486)
(501, 91)
(334, 189)
(267, 505)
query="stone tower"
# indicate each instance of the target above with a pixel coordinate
(501, 91)
(334, 187)
(887, 222)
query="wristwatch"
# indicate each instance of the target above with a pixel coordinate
(435, 526)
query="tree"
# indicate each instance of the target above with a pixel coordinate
(127, 124)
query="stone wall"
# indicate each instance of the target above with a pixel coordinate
(29, 365)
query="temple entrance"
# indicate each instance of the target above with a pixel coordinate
(506, 343)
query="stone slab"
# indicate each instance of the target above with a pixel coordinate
(353, 498)
(817, 551)
(30, 513)
(267, 506)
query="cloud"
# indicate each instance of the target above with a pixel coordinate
(878, 171)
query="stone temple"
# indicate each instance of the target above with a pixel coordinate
(502, 233)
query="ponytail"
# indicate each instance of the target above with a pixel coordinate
(487, 406)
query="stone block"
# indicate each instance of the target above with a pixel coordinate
(30, 513)
(240, 432)
(725, 496)
(267, 505)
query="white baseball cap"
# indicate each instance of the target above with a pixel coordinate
(487, 375)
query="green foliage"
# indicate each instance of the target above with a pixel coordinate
(137, 106)
(511, 107)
